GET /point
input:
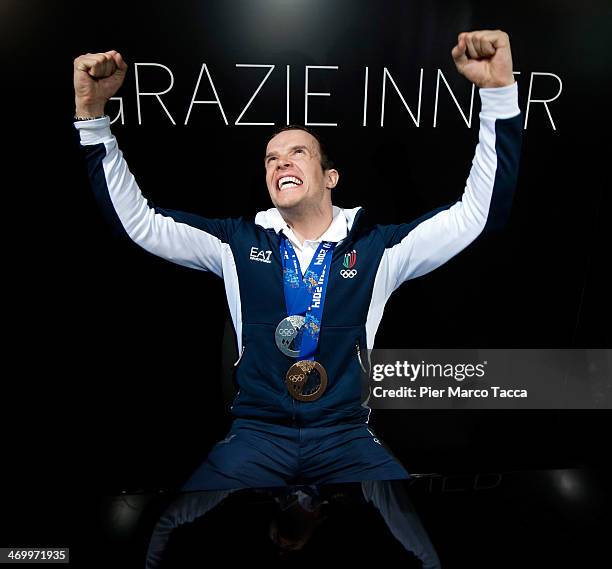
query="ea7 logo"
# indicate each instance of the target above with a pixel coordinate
(261, 256)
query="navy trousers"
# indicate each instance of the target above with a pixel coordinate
(256, 454)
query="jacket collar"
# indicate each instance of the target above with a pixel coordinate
(341, 224)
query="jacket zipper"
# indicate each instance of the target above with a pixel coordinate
(358, 348)
(239, 357)
(235, 365)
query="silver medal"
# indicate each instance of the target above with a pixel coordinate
(288, 337)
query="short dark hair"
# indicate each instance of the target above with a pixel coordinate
(326, 161)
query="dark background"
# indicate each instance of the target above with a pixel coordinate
(114, 355)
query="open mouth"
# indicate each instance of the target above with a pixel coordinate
(288, 182)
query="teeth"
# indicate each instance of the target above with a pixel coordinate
(287, 182)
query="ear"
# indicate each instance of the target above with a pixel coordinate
(331, 178)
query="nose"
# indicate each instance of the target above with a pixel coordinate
(283, 162)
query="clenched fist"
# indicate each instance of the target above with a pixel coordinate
(484, 58)
(97, 77)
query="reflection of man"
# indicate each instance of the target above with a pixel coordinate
(306, 281)
(299, 514)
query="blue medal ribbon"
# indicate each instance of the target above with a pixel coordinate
(305, 295)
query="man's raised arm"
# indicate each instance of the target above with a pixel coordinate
(414, 249)
(182, 238)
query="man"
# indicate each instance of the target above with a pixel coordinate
(306, 281)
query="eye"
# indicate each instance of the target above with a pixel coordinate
(298, 150)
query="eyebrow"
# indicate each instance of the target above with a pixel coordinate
(296, 147)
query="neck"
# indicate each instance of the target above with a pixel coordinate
(309, 224)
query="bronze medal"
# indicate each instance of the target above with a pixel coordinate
(306, 380)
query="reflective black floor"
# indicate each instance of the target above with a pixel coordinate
(546, 518)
